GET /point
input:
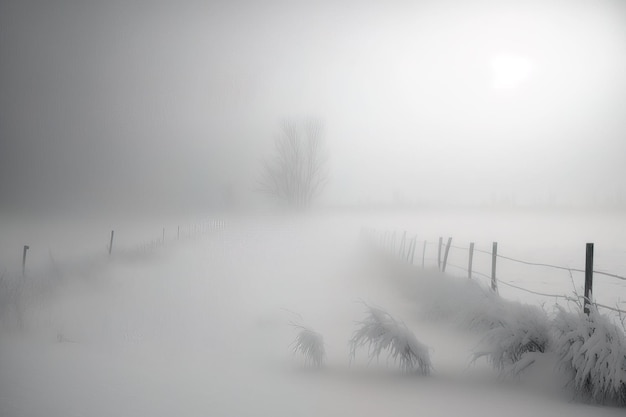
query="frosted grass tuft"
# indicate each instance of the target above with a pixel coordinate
(513, 345)
(380, 332)
(592, 353)
(309, 344)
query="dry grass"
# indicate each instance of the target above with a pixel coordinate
(380, 332)
(309, 344)
(512, 346)
(592, 352)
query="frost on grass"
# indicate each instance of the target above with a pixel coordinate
(513, 345)
(592, 353)
(310, 345)
(380, 332)
(467, 303)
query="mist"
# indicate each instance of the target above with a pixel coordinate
(155, 105)
(184, 186)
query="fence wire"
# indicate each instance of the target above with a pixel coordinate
(441, 244)
(563, 268)
(508, 284)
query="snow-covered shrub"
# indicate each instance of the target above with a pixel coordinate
(513, 345)
(592, 352)
(483, 311)
(381, 332)
(469, 303)
(310, 345)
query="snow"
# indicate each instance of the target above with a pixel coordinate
(202, 327)
(380, 332)
(592, 350)
(309, 344)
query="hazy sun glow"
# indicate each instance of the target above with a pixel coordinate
(509, 71)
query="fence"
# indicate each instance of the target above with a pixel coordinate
(407, 247)
(19, 292)
(186, 232)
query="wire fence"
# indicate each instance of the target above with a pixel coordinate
(182, 233)
(125, 250)
(21, 293)
(405, 247)
(564, 268)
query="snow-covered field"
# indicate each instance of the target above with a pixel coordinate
(201, 326)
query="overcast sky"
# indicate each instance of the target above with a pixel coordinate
(135, 104)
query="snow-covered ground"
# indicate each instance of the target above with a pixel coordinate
(202, 326)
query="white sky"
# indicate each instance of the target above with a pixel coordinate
(150, 104)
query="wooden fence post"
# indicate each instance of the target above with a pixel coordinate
(407, 254)
(494, 256)
(445, 255)
(471, 260)
(413, 244)
(402, 244)
(26, 247)
(111, 242)
(588, 276)
(439, 253)
(424, 253)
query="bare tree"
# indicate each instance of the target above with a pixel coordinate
(297, 172)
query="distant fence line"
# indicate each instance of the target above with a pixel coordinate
(14, 287)
(406, 248)
(186, 232)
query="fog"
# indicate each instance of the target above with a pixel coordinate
(161, 106)
(162, 122)
(203, 325)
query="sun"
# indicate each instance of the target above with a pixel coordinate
(509, 71)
